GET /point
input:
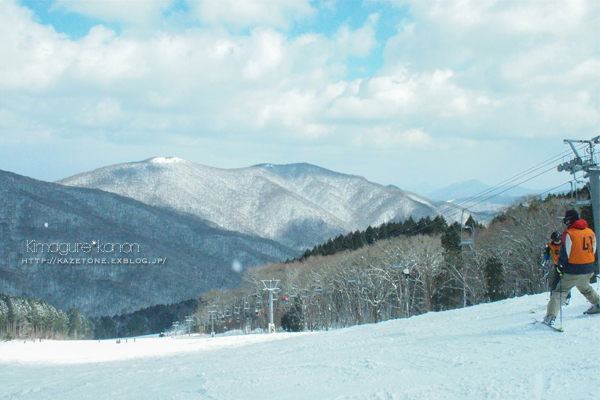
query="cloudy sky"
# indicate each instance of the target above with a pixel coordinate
(415, 93)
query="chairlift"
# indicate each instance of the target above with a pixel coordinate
(575, 197)
(466, 242)
(469, 240)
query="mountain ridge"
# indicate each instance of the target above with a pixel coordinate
(199, 256)
(268, 200)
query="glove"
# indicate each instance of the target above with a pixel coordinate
(560, 269)
(546, 256)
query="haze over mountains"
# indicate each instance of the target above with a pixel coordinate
(479, 192)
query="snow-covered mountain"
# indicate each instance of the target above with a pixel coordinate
(44, 228)
(298, 205)
(488, 351)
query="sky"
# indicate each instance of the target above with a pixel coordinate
(488, 351)
(418, 94)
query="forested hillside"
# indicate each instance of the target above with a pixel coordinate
(358, 239)
(22, 318)
(411, 272)
(175, 256)
(150, 320)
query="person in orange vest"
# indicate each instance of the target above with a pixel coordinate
(575, 265)
(552, 252)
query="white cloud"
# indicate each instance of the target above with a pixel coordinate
(465, 70)
(567, 114)
(401, 95)
(250, 13)
(31, 55)
(265, 54)
(105, 112)
(357, 43)
(103, 58)
(508, 55)
(392, 137)
(129, 12)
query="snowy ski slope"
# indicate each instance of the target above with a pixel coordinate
(489, 351)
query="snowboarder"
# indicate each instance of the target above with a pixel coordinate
(552, 251)
(575, 265)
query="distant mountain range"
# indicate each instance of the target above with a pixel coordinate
(297, 205)
(40, 220)
(208, 223)
(475, 191)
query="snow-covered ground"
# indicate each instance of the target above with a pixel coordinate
(490, 351)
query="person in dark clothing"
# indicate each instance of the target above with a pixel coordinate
(575, 265)
(552, 252)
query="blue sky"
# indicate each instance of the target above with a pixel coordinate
(419, 94)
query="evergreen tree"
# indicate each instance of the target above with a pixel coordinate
(501, 217)
(370, 236)
(409, 226)
(292, 321)
(471, 222)
(76, 325)
(439, 224)
(424, 226)
(358, 240)
(451, 239)
(494, 277)
(395, 229)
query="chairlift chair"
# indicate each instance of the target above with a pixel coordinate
(575, 197)
(469, 240)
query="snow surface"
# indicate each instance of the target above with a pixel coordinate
(489, 351)
(165, 160)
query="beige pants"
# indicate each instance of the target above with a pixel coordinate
(566, 283)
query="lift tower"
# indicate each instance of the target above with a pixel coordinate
(592, 172)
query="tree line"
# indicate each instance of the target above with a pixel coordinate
(424, 269)
(358, 239)
(146, 321)
(22, 318)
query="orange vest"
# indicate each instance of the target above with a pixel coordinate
(582, 246)
(555, 248)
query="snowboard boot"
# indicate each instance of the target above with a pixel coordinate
(593, 310)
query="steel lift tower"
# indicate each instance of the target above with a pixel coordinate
(588, 166)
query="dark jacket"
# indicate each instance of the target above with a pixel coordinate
(578, 249)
